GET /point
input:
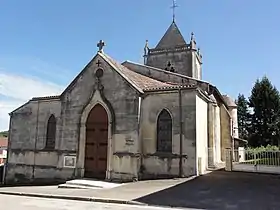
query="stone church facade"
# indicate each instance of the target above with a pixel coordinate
(125, 121)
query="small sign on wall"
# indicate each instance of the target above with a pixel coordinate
(4, 153)
(69, 162)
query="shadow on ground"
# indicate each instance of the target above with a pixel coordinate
(221, 190)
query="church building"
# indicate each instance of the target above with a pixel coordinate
(125, 121)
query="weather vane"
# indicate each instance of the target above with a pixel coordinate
(173, 8)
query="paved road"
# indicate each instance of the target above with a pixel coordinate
(222, 190)
(9, 202)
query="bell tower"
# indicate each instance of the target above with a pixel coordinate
(174, 54)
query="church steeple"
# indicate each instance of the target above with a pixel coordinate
(173, 53)
(172, 38)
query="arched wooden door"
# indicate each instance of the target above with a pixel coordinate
(96, 143)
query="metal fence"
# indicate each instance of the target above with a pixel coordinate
(254, 160)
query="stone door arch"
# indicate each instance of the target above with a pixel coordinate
(96, 145)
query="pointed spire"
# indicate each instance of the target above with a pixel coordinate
(192, 42)
(172, 38)
(146, 52)
(146, 48)
(192, 36)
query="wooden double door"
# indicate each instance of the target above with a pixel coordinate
(96, 143)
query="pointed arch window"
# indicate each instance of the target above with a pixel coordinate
(51, 132)
(164, 132)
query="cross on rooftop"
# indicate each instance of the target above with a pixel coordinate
(100, 45)
(174, 7)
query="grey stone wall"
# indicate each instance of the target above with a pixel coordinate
(167, 165)
(26, 152)
(123, 100)
(180, 60)
(27, 163)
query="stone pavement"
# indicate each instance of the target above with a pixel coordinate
(216, 190)
(127, 193)
(8, 202)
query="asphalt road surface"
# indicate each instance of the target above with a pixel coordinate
(9, 202)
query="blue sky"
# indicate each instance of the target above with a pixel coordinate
(44, 44)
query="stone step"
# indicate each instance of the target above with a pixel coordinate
(89, 184)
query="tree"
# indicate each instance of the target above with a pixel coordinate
(242, 116)
(265, 102)
(4, 133)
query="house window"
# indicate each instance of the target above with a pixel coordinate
(164, 132)
(51, 132)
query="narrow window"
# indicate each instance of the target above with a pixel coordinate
(51, 131)
(164, 132)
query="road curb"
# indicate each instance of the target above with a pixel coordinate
(77, 198)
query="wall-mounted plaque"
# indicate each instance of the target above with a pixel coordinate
(69, 162)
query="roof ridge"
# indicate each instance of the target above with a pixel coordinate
(165, 71)
(139, 81)
(113, 62)
(46, 97)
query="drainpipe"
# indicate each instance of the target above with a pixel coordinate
(140, 136)
(8, 151)
(35, 144)
(181, 133)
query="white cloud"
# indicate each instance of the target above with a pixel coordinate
(24, 88)
(19, 89)
(6, 106)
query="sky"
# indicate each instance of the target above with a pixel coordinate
(45, 44)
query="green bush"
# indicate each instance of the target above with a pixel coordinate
(262, 152)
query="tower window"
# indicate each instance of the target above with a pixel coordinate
(169, 67)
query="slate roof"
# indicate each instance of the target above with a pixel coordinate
(172, 38)
(139, 81)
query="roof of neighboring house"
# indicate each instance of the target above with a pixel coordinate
(3, 141)
(241, 140)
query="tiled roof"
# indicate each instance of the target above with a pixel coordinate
(3, 141)
(135, 67)
(139, 81)
(172, 38)
(170, 87)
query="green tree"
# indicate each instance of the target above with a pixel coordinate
(242, 116)
(4, 133)
(265, 118)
